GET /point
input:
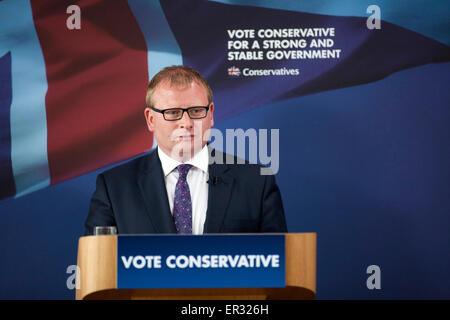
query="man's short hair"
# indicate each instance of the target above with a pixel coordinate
(178, 76)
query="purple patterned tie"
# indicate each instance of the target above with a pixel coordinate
(182, 206)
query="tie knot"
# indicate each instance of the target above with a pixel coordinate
(183, 170)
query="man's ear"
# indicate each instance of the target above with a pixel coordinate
(149, 118)
(211, 111)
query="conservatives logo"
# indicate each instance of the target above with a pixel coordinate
(247, 72)
(233, 71)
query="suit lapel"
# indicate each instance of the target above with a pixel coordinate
(152, 187)
(219, 193)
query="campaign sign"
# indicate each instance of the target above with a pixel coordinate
(206, 261)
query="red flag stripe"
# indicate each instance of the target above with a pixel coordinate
(97, 78)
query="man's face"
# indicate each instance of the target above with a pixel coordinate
(180, 139)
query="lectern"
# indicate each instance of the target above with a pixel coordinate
(98, 273)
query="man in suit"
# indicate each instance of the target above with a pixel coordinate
(176, 188)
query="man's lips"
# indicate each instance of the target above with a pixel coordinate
(185, 137)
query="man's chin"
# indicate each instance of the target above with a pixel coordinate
(186, 149)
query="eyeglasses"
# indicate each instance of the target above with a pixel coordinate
(174, 114)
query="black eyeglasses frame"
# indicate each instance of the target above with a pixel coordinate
(182, 114)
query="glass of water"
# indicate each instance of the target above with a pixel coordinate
(105, 230)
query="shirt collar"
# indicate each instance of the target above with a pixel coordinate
(200, 160)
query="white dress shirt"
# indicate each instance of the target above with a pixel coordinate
(197, 180)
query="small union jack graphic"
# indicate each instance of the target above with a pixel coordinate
(233, 71)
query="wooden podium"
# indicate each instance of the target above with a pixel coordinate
(97, 262)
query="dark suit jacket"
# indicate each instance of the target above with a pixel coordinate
(133, 198)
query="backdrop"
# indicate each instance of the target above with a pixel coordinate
(358, 91)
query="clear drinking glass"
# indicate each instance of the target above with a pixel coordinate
(105, 230)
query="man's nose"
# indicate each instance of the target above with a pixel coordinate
(186, 121)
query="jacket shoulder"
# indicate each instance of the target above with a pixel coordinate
(138, 164)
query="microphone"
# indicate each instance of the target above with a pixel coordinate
(213, 181)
